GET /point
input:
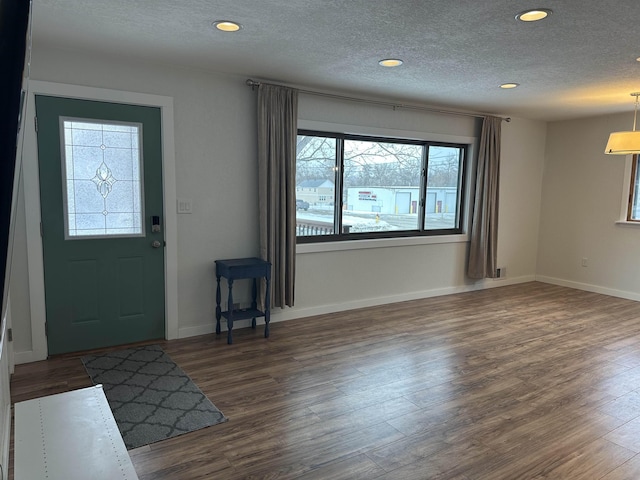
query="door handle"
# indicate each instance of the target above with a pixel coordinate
(156, 244)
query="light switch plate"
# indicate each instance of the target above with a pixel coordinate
(185, 205)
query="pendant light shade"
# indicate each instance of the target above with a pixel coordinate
(625, 143)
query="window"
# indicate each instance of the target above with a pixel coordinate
(369, 187)
(102, 184)
(633, 210)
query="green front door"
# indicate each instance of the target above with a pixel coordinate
(102, 222)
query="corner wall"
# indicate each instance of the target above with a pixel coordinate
(582, 195)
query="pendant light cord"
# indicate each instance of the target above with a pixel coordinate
(635, 111)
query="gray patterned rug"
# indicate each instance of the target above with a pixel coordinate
(151, 398)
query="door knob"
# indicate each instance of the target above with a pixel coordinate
(156, 244)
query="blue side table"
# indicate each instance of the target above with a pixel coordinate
(236, 269)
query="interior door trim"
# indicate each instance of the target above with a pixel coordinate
(31, 190)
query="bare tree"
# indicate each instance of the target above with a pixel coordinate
(374, 163)
(382, 164)
(444, 171)
(316, 158)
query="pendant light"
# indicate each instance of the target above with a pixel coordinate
(625, 143)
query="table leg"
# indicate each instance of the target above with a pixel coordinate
(230, 312)
(218, 309)
(267, 307)
(254, 303)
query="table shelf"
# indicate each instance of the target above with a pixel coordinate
(243, 313)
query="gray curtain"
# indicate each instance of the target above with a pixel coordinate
(484, 223)
(277, 133)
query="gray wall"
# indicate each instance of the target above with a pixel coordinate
(215, 141)
(582, 198)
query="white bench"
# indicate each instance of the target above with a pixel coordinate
(69, 436)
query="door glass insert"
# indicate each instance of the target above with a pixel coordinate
(102, 178)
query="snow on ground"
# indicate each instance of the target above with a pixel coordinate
(357, 224)
(366, 221)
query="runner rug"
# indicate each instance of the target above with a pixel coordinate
(151, 398)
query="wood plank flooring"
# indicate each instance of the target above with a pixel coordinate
(527, 381)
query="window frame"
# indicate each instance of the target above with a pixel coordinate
(632, 190)
(464, 167)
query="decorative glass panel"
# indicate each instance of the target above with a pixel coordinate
(102, 179)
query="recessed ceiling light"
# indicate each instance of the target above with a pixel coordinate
(507, 86)
(390, 62)
(533, 15)
(227, 26)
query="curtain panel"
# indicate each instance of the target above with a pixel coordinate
(277, 134)
(484, 224)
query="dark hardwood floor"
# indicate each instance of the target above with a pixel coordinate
(528, 381)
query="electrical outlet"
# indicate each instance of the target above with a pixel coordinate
(501, 272)
(585, 262)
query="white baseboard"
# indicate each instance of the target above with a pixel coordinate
(198, 330)
(27, 356)
(589, 287)
(279, 315)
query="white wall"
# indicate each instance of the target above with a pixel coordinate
(521, 173)
(215, 138)
(21, 309)
(330, 281)
(582, 195)
(215, 161)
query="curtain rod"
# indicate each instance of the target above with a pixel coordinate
(253, 84)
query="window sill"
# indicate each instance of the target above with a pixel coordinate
(626, 223)
(379, 243)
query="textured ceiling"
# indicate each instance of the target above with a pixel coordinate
(580, 61)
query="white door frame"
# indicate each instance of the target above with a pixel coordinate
(32, 204)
